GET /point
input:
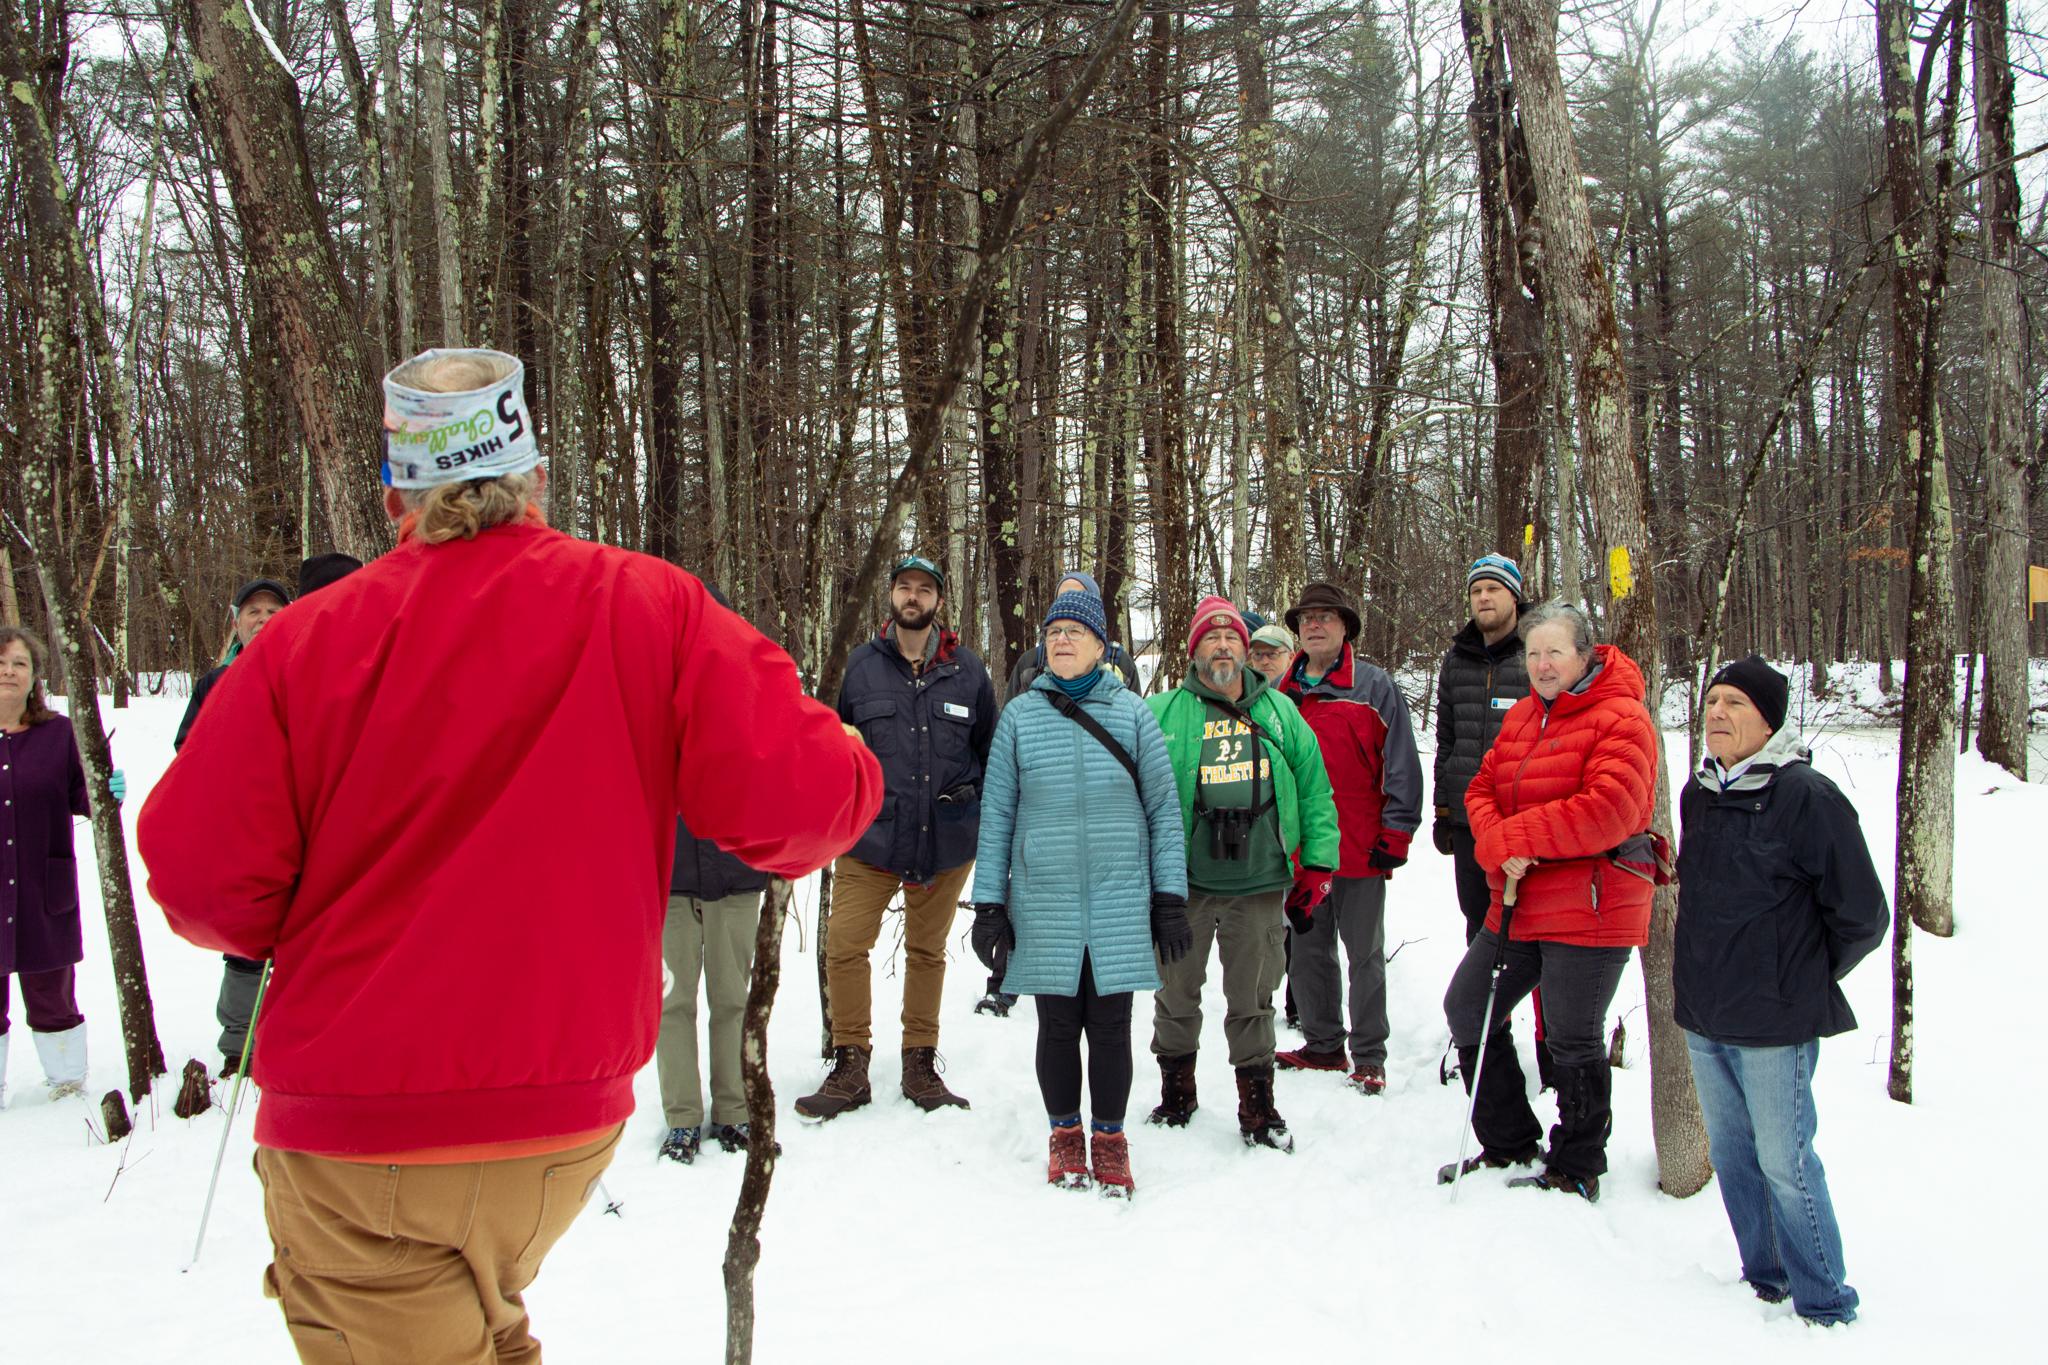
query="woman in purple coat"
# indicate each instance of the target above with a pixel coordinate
(42, 785)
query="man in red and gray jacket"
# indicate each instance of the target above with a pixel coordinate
(441, 796)
(1361, 719)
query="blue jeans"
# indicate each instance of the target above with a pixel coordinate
(1758, 1103)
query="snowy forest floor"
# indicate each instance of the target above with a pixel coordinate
(895, 1236)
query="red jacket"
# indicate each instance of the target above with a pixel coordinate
(1361, 720)
(442, 794)
(1564, 784)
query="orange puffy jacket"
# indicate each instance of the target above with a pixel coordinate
(1565, 784)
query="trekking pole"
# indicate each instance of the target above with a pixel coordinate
(1500, 963)
(234, 1107)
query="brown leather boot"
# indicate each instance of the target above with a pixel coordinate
(846, 1087)
(1258, 1122)
(921, 1083)
(1176, 1091)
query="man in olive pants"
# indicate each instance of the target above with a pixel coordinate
(714, 940)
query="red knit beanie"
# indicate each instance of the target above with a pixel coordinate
(1211, 612)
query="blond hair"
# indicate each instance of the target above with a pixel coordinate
(461, 511)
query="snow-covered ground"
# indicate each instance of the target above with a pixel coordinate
(894, 1236)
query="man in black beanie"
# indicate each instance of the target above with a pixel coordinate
(1777, 901)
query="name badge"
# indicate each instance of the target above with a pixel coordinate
(1504, 703)
(958, 711)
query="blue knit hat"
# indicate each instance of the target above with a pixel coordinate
(1084, 607)
(1086, 580)
(1500, 569)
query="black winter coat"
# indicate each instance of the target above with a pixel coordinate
(708, 872)
(931, 730)
(199, 691)
(1777, 901)
(1475, 689)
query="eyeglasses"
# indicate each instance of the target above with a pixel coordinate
(1067, 632)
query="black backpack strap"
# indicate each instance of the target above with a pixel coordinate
(1073, 711)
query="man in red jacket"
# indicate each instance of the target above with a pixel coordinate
(441, 796)
(1361, 720)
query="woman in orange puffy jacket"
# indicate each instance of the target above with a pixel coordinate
(1561, 807)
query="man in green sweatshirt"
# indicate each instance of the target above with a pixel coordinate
(1262, 844)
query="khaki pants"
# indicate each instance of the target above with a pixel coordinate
(380, 1265)
(715, 940)
(860, 895)
(1250, 934)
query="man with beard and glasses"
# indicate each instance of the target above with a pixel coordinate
(1262, 838)
(925, 706)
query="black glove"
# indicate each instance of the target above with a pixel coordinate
(1170, 932)
(1440, 832)
(992, 930)
(1388, 852)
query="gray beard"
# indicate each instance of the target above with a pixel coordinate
(1221, 674)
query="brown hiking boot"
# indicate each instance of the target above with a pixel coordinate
(846, 1087)
(194, 1094)
(1258, 1122)
(1111, 1156)
(1176, 1091)
(1066, 1158)
(921, 1083)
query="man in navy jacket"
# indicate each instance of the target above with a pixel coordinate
(925, 706)
(1777, 901)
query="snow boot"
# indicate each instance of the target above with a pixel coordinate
(1578, 1144)
(1066, 1162)
(921, 1083)
(683, 1144)
(63, 1056)
(1501, 1119)
(995, 1003)
(1550, 1178)
(1258, 1122)
(1308, 1059)
(844, 1088)
(1369, 1079)
(195, 1092)
(1110, 1159)
(1489, 1161)
(734, 1137)
(1176, 1091)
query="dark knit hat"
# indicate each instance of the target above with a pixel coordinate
(919, 564)
(1767, 689)
(323, 570)
(1500, 569)
(1324, 597)
(1084, 607)
(256, 585)
(1253, 621)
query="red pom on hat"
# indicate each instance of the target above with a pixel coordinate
(1211, 612)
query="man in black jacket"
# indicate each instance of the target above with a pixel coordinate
(1777, 901)
(255, 602)
(1481, 679)
(925, 707)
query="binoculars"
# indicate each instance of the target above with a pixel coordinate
(1230, 834)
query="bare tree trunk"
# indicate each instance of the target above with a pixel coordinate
(62, 287)
(1516, 329)
(1576, 285)
(2003, 586)
(743, 1239)
(440, 174)
(1926, 809)
(397, 203)
(250, 108)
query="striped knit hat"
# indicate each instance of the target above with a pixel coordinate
(1500, 569)
(1084, 607)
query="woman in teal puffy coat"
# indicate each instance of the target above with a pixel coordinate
(1082, 870)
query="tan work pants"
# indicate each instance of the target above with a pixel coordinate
(860, 895)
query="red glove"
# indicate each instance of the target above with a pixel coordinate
(1311, 886)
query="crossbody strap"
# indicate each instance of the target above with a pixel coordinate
(1072, 710)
